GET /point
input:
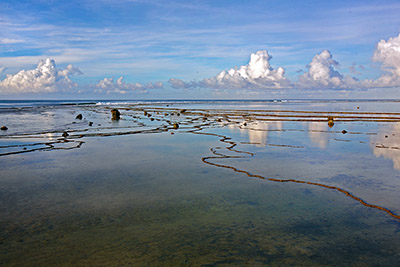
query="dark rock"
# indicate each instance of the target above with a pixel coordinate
(183, 111)
(176, 126)
(145, 113)
(79, 117)
(65, 134)
(344, 132)
(152, 119)
(330, 121)
(244, 124)
(90, 123)
(4, 128)
(115, 114)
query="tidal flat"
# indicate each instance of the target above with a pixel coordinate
(201, 184)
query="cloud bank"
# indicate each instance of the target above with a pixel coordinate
(44, 78)
(257, 74)
(322, 73)
(109, 85)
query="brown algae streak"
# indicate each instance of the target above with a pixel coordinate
(227, 140)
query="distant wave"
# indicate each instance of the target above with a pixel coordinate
(44, 103)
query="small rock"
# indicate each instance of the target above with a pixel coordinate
(183, 111)
(90, 123)
(244, 124)
(176, 126)
(344, 132)
(172, 133)
(152, 119)
(145, 113)
(65, 134)
(330, 121)
(115, 114)
(79, 117)
(177, 114)
(4, 128)
(386, 136)
(358, 107)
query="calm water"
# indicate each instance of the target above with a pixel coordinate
(139, 192)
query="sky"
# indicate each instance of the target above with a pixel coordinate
(155, 49)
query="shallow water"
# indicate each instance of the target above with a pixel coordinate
(131, 192)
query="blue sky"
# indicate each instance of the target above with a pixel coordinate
(150, 42)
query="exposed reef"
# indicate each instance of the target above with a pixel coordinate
(201, 122)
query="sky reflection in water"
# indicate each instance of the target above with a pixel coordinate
(134, 193)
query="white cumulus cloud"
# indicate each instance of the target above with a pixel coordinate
(110, 85)
(44, 78)
(257, 74)
(388, 53)
(323, 74)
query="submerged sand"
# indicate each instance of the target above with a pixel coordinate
(169, 184)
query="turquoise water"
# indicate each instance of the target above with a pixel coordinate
(131, 192)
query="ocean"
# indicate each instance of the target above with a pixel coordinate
(200, 183)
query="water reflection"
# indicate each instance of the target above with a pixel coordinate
(387, 144)
(258, 134)
(317, 134)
